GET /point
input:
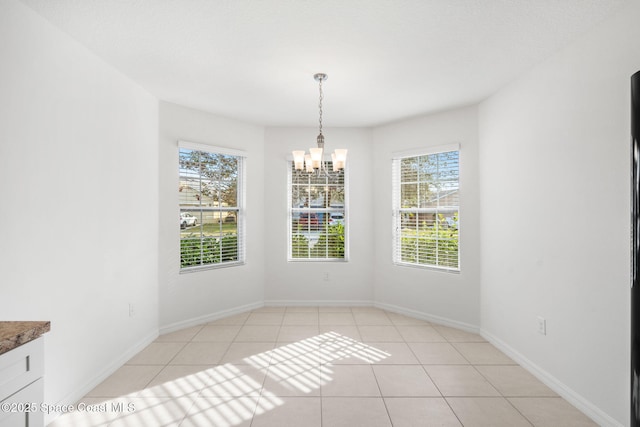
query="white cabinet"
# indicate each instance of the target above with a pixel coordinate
(21, 385)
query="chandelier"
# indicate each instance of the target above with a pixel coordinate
(314, 161)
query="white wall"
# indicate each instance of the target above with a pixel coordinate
(82, 178)
(303, 282)
(190, 297)
(78, 217)
(554, 173)
(446, 297)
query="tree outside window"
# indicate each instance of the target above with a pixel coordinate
(426, 210)
(210, 208)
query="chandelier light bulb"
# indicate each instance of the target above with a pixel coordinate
(307, 163)
(298, 159)
(316, 157)
(340, 157)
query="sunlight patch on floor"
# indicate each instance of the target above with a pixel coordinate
(229, 394)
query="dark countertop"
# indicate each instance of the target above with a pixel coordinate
(14, 334)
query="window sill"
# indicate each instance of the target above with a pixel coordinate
(195, 269)
(429, 267)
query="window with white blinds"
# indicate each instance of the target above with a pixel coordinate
(317, 215)
(426, 209)
(210, 195)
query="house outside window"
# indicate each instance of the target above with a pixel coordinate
(426, 208)
(318, 220)
(210, 194)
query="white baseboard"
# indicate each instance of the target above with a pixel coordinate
(577, 400)
(172, 327)
(72, 398)
(444, 321)
(318, 303)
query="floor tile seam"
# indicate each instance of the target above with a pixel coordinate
(408, 341)
(227, 351)
(359, 397)
(186, 414)
(452, 410)
(196, 394)
(292, 397)
(460, 353)
(147, 364)
(425, 342)
(336, 323)
(381, 395)
(531, 396)
(484, 397)
(475, 368)
(203, 390)
(411, 396)
(322, 385)
(480, 397)
(413, 353)
(454, 341)
(321, 407)
(431, 364)
(240, 326)
(495, 364)
(559, 398)
(184, 344)
(146, 386)
(512, 363)
(519, 412)
(507, 395)
(375, 377)
(474, 395)
(396, 329)
(235, 336)
(432, 381)
(491, 384)
(255, 407)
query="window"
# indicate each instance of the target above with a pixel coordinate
(210, 195)
(426, 209)
(317, 215)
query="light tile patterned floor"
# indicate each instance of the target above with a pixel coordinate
(324, 367)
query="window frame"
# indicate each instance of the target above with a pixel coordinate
(397, 210)
(327, 210)
(239, 208)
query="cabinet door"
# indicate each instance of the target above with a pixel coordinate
(16, 416)
(20, 367)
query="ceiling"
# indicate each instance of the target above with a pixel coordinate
(254, 60)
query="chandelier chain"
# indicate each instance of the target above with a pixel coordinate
(320, 104)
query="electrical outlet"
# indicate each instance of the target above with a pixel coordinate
(325, 277)
(542, 326)
(131, 311)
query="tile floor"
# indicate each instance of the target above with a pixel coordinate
(321, 366)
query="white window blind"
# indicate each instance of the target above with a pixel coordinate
(211, 203)
(317, 215)
(426, 209)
